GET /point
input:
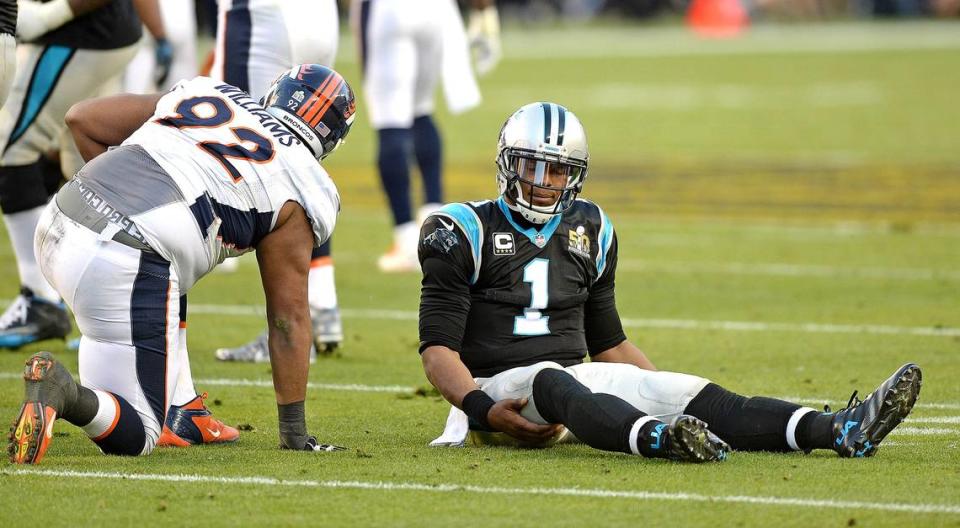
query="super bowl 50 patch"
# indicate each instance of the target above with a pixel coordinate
(579, 242)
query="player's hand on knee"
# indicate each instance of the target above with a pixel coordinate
(505, 416)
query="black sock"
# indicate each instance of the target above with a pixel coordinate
(815, 431)
(127, 437)
(652, 441)
(83, 408)
(747, 424)
(602, 421)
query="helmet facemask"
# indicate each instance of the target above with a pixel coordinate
(526, 177)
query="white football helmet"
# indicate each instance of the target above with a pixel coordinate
(551, 137)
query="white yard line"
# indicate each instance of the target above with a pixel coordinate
(788, 270)
(952, 509)
(922, 431)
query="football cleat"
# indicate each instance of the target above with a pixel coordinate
(30, 319)
(862, 425)
(256, 351)
(327, 330)
(192, 423)
(48, 387)
(687, 439)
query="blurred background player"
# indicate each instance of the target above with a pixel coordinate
(160, 63)
(69, 49)
(256, 41)
(404, 53)
(8, 46)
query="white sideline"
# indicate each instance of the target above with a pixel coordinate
(687, 324)
(778, 269)
(241, 310)
(494, 490)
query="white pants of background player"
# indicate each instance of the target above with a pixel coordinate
(127, 306)
(180, 24)
(273, 35)
(663, 395)
(406, 50)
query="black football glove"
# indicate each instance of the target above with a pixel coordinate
(163, 52)
(293, 430)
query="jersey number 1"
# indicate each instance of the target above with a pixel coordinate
(187, 117)
(532, 322)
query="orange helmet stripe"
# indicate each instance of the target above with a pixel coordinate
(325, 100)
(313, 98)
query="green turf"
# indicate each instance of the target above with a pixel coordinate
(747, 185)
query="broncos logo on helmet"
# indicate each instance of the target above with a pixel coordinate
(315, 103)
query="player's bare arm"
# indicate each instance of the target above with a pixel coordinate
(625, 352)
(284, 258)
(450, 376)
(97, 124)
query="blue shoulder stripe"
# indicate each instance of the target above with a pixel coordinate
(606, 240)
(468, 221)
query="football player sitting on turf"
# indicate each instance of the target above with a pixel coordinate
(517, 291)
(201, 173)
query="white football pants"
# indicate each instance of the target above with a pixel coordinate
(127, 305)
(263, 38)
(656, 393)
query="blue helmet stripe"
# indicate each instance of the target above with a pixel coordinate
(562, 124)
(469, 223)
(547, 114)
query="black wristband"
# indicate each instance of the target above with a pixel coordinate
(476, 404)
(293, 425)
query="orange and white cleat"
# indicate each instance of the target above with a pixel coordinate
(47, 386)
(192, 423)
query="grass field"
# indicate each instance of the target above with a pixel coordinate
(788, 209)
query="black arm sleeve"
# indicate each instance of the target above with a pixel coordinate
(447, 263)
(601, 322)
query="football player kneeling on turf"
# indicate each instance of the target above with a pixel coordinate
(195, 175)
(518, 291)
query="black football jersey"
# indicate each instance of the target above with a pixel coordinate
(115, 25)
(506, 293)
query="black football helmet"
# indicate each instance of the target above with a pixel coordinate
(315, 103)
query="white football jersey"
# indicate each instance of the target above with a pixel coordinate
(233, 165)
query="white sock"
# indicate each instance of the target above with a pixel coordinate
(321, 289)
(21, 227)
(426, 210)
(185, 390)
(792, 426)
(407, 236)
(108, 413)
